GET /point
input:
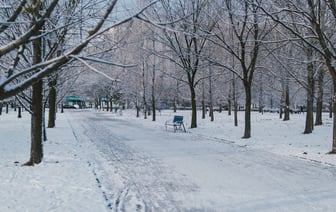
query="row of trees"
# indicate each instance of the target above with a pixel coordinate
(196, 51)
(266, 53)
(43, 43)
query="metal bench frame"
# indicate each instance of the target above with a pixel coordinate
(176, 123)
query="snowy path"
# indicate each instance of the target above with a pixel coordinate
(144, 169)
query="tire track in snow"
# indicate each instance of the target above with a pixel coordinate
(147, 185)
(109, 204)
(106, 198)
(133, 167)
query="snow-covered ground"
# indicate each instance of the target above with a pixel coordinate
(100, 161)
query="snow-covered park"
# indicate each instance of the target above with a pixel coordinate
(101, 161)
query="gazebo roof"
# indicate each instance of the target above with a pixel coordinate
(74, 98)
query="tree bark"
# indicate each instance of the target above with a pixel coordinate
(203, 100)
(287, 103)
(36, 150)
(247, 131)
(331, 107)
(137, 108)
(310, 96)
(144, 91)
(19, 113)
(176, 96)
(229, 106)
(333, 151)
(203, 109)
(235, 103)
(193, 106)
(111, 104)
(236, 114)
(107, 103)
(137, 111)
(261, 95)
(319, 101)
(52, 104)
(153, 109)
(153, 86)
(211, 112)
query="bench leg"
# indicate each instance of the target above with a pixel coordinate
(177, 127)
(183, 128)
(180, 127)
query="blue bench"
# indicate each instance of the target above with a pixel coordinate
(176, 123)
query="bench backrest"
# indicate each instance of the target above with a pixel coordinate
(178, 119)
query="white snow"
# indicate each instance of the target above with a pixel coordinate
(100, 161)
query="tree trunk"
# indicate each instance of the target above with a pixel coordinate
(144, 91)
(107, 104)
(309, 126)
(44, 130)
(137, 108)
(203, 100)
(175, 104)
(261, 95)
(145, 109)
(310, 100)
(211, 112)
(319, 102)
(229, 106)
(281, 105)
(1, 105)
(193, 107)
(235, 103)
(153, 86)
(203, 109)
(36, 150)
(52, 104)
(236, 114)
(333, 151)
(331, 108)
(247, 131)
(111, 105)
(19, 113)
(153, 109)
(137, 111)
(176, 96)
(287, 103)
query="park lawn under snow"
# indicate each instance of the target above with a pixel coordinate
(269, 133)
(68, 177)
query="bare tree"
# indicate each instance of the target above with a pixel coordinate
(36, 14)
(320, 19)
(320, 93)
(249, 29)
(185, 40)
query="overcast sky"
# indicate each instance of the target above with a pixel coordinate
(126, 7)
